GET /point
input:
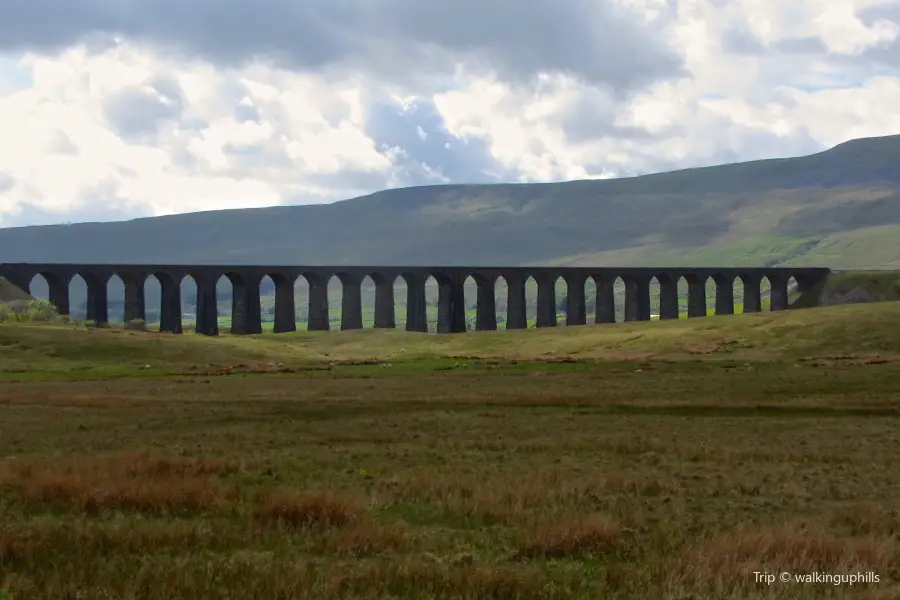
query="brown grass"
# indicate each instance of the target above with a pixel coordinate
(133, 481)
(594, 535)
(301, 510)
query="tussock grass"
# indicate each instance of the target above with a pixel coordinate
(293, 510)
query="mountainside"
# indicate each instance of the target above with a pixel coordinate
(839, 208)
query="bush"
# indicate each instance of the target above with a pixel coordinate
(29, 310)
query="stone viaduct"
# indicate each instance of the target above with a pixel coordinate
(245, 280)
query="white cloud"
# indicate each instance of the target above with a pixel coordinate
(130, 127)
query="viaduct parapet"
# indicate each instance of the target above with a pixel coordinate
(246, 313)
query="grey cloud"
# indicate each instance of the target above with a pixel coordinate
(593, 39)
(738, 39)
(459, 161)
(139, 112)
(885, 55)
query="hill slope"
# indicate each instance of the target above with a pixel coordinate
(840, 208)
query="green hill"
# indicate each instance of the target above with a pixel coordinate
(839, 208)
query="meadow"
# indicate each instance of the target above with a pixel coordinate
(638, 460)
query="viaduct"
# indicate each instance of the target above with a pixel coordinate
(245, 280)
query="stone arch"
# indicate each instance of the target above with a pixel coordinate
(284, 301)
(637, 297)
(38, 286)
(266, 302)
(481, 301)
(415, 317)
(501, 301)
(115, 298)
(571, 298)
(77, 290)
(546, 314)
(225, 292)
(351, 300)
(751, 298)
(531, 296)
(603, 303)
(696, 294)
(162, 298)
(53, 287)
(246, 310)
(190, 303)
(92, 286)
(664, 291)
(794, 289)
(133, 296)
(765, 289)
(317, 313)
(451, 307)
(724, 293)
(381, 295)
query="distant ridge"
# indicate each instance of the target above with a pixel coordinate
(839, 208)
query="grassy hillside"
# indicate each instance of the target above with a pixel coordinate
(10, 293)
(29, 351)
(838, 207)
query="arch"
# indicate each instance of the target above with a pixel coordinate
(546, 308)
(773, 289)
(191, 305)
(301, 301)
(415, 302)
(77, 288)
(481, 301)
(369, 298)
(39, 286)
(133, 307)
(696, 294)
(572, 303)
(501, 301)
(115, 299)
(246, 311)
(350, 290)
(604, 303)
(752, 292)
(162, 300)
(664, 291)
(723, 293)
(267, 302)
(531, 295)
(637, 297)
(737, 292)
(89, 289)
(451, 303)
(53, 287)
(317, 313)
(794, 290)
(283, 304)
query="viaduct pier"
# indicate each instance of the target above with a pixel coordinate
(246, 313)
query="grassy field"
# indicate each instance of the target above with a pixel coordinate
(639, 460)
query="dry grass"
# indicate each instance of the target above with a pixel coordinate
(286, 508)
(594, 535)
(136, 482)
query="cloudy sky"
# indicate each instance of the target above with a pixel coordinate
(111, 109)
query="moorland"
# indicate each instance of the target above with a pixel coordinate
(637, 460)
